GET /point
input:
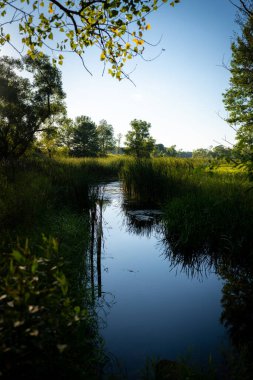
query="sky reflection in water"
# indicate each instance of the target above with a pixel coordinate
(156, 310)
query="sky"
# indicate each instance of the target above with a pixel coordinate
(179, 93)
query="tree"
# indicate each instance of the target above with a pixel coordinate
(221, 152)
(138, 140)
(56, 137)
(27, 105)
(106, 141)
(118, 140)
(160, 150)
(85, 139)
(65, 133)
(171, 151)
(116, 27)
(238, 98)
(202, 153)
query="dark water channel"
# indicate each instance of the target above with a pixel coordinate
(148, 306)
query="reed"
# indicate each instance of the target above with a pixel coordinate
(158, 179)
(204, 207)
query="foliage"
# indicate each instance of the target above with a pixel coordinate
(219, 152)
(237, 317)
(155, 180)
(171, 151)
(38, 185)
(65, 133)
(214, 219)
(25, 106)
(116, 27)
(159, 150)
(50, 195)
(238, 98)
(201, 153)
(138, 140)
(40, 323)
(204, 209)
(180, 369)
(222, 152)
(106, 141)
(85, 138)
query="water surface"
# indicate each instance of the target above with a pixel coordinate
(150, 307)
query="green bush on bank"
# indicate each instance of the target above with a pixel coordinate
(43, 331)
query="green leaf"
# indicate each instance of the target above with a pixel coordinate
(17, 256)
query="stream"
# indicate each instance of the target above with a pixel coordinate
(150, 308)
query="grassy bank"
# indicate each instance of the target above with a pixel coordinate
(48, 325)
(207, 223)
(205, 207)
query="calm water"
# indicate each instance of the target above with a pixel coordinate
(149, 307)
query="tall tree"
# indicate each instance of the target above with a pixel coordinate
(26, 106)
(65, 133)
(106, 141)
(160, 150)
(116, 27)
(85, 138)
(238, 98)
(138, 140)
(171, 151)
(118, 141)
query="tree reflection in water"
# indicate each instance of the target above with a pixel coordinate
(198, 259)
(231, 260)
(235, 268)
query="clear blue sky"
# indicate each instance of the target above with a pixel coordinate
(180, 92)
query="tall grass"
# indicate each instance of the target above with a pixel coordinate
(155, 180)
(49, 326)
(203, 206)
(35, 185)
(207, 224)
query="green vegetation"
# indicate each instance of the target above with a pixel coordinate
(49, 180)
(238, 99)
(48, 323)
(115, 27)
(207, 216)
(207, 222)
(27, 107)
(139, 143)
(44, 331)
(201, 205)
(155, 180)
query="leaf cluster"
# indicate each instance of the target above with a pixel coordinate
(26, 104)
(116, 27)
(138, 140)
(238, 98)
(39, 320)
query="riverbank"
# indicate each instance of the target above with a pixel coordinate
(207, 213)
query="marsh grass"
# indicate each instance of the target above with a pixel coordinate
(216, 218)
(155, 180)
(206, 209)
(52, 197)
(30, 186)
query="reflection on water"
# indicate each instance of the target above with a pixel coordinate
(155, 303)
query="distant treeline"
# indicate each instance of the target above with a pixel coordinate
(33, 118)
